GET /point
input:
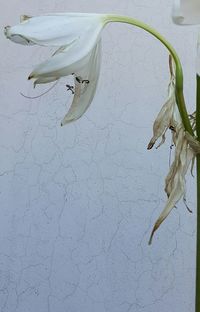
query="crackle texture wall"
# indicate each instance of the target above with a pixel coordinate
(77, 203)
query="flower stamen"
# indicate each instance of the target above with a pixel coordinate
(40, 95)
(70, 88)
(80, 80)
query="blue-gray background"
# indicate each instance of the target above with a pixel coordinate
(77, 203)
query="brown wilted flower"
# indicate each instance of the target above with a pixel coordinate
(164, 118)
(186, 147)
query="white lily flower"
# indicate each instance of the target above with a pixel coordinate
(77, 37)
(75, 34)
(186, 12)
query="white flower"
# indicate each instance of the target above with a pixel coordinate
(186, 12)
(77, 38)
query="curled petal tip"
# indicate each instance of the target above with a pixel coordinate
(151, 238)
(6, 29)
(24, 18)
(156, 226)
(150, 145)
(30, 77)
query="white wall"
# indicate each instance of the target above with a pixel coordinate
(77, 203)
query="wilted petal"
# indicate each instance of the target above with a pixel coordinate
(179, 142)
(193, 143)
(186, 12)
(175, 181)
(85, 86)
(164, 117)
(24, 18)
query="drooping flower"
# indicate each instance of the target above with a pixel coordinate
(77, 38)
(186, 12)
(186, 148)
(175, 186)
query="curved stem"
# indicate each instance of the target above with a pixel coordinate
(179, 73)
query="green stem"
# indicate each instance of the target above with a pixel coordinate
(198, 199)
(179, 73)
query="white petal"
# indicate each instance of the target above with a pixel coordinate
(84, 92)
(17, 38)
(186, 12)
(177, 15)
(58, 29)
(66, 60)
(44, 80)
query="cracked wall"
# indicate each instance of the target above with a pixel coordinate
(77, 203)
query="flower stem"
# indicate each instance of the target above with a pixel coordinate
(179, 73)
(198, 199)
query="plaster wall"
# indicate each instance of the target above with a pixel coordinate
(77, 203)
